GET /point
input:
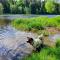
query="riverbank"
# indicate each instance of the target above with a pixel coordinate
(36, 23)
(45, 25)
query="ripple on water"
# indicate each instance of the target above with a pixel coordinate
(13, 43)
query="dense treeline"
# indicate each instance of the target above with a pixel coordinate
(29, 7)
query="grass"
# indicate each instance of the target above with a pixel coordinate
(31, 23)
(47, 53)
(38, 23)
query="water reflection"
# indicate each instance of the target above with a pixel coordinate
(54, 37)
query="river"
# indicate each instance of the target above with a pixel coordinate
(10, 17)
(13, 45)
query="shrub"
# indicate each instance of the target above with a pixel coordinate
(50, 6)
(58, 43)
(38, 23)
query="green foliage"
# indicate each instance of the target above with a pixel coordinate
(50, 6)
(30, 6)
(1, 8)
(38, 23)
(32, 23)
(58, 43)
(27, 10)
(19, 2)
(13, 9)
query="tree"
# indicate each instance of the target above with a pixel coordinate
(19, 2)
(6, 6)
(32, 6)
(1, 8)
(13, 9)
(27, 10)
(50, 6)
(38, 6)
(59, 9)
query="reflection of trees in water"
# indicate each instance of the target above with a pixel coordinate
(4, 22)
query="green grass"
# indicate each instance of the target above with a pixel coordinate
(31, 23)
(58, 42)
(38, 23)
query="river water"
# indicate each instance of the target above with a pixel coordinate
(13, 45)
(10, 17)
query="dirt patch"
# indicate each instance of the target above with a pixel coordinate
(52, 30)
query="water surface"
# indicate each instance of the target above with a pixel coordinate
(13, 45)
(54, 37)
(10, 17)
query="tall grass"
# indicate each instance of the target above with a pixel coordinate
(38, 23)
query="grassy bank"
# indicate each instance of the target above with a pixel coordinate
(36, 23)
(39, 25)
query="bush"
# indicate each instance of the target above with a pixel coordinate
(38, 23)
(13, 8)
(58, 43)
